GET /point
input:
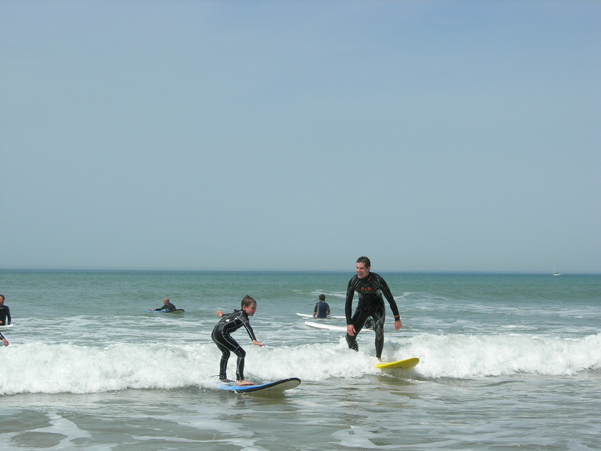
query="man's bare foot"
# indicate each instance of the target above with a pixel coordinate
(244, 382)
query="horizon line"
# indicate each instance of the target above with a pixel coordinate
(398, 271)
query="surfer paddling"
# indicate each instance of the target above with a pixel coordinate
(370, 287)
(221, 336)
(167, 305)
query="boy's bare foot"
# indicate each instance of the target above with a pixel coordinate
(244, 382)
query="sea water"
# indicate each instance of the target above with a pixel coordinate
(506, 362)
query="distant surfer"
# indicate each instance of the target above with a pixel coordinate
(221, 335)
(166, 306)
(322, 309)
(370, 287)
(5, 318)
(4, 340)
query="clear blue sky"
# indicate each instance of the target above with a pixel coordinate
(299, 135)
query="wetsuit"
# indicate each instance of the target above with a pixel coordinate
(225, 342)
(169, 306)
(371, 303)
(322, 309)
(5, 315)
(2, 336)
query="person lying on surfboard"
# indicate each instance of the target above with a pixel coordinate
(229, 323)
(166, 306)
(370, 287)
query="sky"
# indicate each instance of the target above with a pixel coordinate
(300, 135)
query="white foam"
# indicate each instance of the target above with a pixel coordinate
(68, 368)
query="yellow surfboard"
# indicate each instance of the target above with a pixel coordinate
(407, 363)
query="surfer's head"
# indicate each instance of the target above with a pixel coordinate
(249, 305)
(322, 297)
(1, 299)
(362, 267)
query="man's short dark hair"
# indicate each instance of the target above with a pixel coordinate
(322, 297)
(365, 261)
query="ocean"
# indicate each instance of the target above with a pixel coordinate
(507, 362)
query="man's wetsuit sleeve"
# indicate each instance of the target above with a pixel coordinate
(2, 336)
(8, 318)
(348, 306)
(388, 295)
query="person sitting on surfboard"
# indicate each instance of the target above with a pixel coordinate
(4, 340)
(221, 336)
(166, 306)
(5, 318)
(370, 287)
(322, 309)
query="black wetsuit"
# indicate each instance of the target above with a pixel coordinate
(5, 315)
(322, 309)
(225, 342)
(2, 336)
(371, 303)
(169, 306)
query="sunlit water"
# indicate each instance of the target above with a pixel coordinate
(507, 362)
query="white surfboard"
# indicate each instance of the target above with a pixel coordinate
(7, 327)
(325, 326)
(304, 315)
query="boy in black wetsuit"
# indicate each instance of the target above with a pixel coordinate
(370, 287)
(166, 306)
(226, 343)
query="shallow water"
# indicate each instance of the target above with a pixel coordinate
(507, 362)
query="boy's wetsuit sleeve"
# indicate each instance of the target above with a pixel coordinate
(233, 321)
(250, 331)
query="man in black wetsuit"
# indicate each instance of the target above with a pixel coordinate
(166, 306)
(370, 287)
(226, 343)
(5, 318)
